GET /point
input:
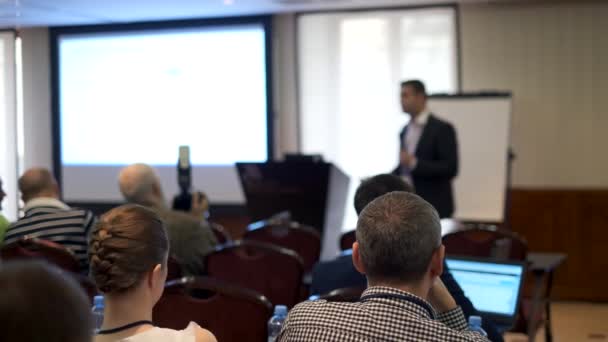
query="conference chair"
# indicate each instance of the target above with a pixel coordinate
(230, 312)
(303, 239)
(34, 248)
(347, 239)
(346, 294)
(274, 271)
(174, 269)
(486, 241)
(221, 234)
(88, 286)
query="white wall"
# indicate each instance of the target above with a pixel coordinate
(284, 85)
(38, 142)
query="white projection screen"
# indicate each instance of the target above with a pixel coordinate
(136, 92)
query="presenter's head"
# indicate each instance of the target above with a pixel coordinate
(413, 97)
(140, 184)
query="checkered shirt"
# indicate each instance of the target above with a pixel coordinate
(378, 318)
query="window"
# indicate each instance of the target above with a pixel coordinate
(8, 124)
(350, 67)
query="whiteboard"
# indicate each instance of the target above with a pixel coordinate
(482, 126)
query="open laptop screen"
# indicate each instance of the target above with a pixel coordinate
(493, 287)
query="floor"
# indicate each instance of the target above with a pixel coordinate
(573, 322)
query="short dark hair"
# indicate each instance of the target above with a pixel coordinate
(39, 302)
(397, 235)
(417, 85)
(128, 242)
(376, 186)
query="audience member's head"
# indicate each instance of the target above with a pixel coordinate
(376, 186)
(128, 257)
(140, 184)
(399, 241)
(38, 182)
(128, 252)
(2, 194)
(413, 97)
(40, 303)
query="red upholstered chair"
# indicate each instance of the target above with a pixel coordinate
(174, 269)
(221, 234)
(346, 294)
(230, 312)
(271, 270)
(34, 248)
(347, 239)
(303, 239)
(87, 285)
(486, 241)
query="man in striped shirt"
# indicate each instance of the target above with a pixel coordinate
(48, 218)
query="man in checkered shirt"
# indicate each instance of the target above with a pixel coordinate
(399, 250)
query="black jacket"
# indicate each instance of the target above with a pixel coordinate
(437, 155)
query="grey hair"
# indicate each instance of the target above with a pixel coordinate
(137, 182)
(398, 234)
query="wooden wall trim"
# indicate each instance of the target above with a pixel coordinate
(572, 221)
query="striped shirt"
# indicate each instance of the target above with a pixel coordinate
(382, 314)
(54, 221)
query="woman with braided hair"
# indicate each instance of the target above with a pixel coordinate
(128, 259)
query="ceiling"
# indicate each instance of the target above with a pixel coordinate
(27, 13)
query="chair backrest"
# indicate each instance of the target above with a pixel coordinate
(303, 239)
(230, 312)
(271, 270)
(34, 248)
(486, 241)
(347, 239)
(87, 285)
(221, 234)
(346, 294)
(174, 269)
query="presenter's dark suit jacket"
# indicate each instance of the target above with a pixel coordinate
(437, 155)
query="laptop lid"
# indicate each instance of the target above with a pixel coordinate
(494, 287)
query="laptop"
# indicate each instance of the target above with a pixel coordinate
(494, 287)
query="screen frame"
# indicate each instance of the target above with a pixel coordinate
(494, 316)
(55, 34)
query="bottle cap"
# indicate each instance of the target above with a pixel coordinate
(280, 310)
(98, 301)
(475, 321)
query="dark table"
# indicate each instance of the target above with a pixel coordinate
(542, 265)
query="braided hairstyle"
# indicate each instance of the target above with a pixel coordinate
(128, 241)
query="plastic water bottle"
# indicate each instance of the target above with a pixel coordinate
(475, 325)
(276, 322)
(97, 311)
